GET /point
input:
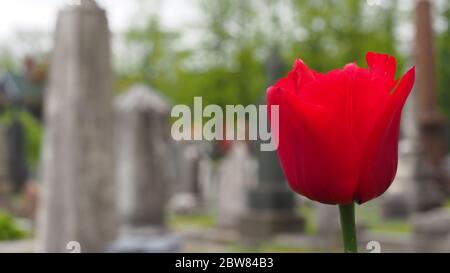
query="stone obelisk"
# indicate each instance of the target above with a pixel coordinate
(431, 124)
(78, 194)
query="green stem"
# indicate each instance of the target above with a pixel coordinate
(347, 213)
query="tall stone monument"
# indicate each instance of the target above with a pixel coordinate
(430, 174)
(431, 223)
(77, 205)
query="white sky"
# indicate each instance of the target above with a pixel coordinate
(40, 15)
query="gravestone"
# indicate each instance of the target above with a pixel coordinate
(78, 193)
(270, 203)
(144, 171)
(190, 191)
(236, 173)
(328, 226)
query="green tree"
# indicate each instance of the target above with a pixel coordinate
(337, 32)
(235, 37)
(443, 45)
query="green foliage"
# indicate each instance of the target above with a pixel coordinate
(198, 221)
(7, 61)
(371, 215)
(9, 230)
(33, 133)
(226, 65)
(443, 41)
(337, 32)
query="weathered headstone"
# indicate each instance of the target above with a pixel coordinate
(236, 173)
(190, 191)
(144, 170)
(143, 156)
(78, 191)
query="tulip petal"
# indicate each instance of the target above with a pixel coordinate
(355, 94)
(379, 160)
(316, 150)
(303, 75)
(383, 67)
(339, 131)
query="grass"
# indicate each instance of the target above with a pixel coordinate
(197, 220)
(268, 247)
(370, 214)
(393, 226)
(9, 228)
(447, 203)
(307, 213)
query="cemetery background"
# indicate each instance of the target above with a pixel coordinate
(86, 153)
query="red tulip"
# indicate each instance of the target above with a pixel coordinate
(339, 131)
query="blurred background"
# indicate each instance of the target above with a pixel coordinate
(87, 162)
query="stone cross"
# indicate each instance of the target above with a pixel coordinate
(77, 205)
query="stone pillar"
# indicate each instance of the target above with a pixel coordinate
(271, 205)
(78, 191)
(431, 222)
(144, 170)
(190, 193)
(431, 189)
